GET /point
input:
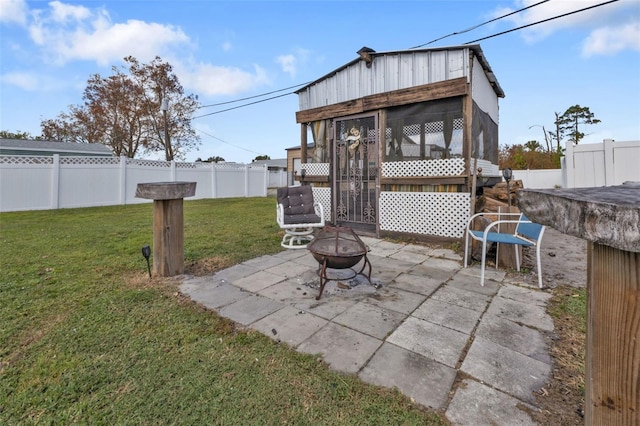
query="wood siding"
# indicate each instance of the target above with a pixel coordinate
(427, 92)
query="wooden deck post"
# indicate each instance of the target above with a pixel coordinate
(609, 218)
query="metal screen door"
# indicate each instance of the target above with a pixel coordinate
(355, 172)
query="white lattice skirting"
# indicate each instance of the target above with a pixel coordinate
(316, 169)
(442, 214)
(448, 167)
(323, 196)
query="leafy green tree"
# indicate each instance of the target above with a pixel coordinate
(262, 157)
(570, 121)
(531, 155)
(123, 111)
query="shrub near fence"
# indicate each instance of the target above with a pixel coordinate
(42, 183)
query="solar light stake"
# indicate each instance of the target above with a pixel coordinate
(146, 252)
(508, 174)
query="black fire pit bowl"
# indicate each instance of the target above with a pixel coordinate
(338, 248)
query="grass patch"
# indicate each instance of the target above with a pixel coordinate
(568, 308)
(86, 337)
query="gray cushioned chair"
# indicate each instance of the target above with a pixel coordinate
(298, 214)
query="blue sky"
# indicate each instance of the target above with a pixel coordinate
(227, 50)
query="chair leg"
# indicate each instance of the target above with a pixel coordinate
(484, 258)
(539, 266)
(466, 248)
(515, 247)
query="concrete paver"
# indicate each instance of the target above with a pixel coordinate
(370, 319)
(455, 317)
(343, 349)
(426, 381)
(417, 283)
(433, 341)
(526, 340)
(530, 314)
(289, 325)
(475, 404)
(250, 309)
(504, 369)
(420, 323)
(258, 281)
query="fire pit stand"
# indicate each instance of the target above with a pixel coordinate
(338, 247)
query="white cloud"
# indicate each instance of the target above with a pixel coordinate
(13, 11)
(61, 12)
(611, 40)
(66, 33)
(26, 81)
(212, 80)
(290, 62)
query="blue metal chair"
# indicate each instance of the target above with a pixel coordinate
(527, 234)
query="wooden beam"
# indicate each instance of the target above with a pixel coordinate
(411, 95)
(314, 178)
(303, 143)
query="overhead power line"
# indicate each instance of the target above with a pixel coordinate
(228, 143)
(541, 22)
(480, 25)
(244, 105)
(256, 96)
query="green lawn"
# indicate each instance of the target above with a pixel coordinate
(86, 337)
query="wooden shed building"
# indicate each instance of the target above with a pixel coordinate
(397, 137)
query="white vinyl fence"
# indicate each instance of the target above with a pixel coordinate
(602, 164)
(41, 183)
(590, 165)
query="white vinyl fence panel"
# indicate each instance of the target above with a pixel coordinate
(40, 183)
(603, 164)
(590, 165)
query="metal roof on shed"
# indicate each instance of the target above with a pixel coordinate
(477, 50)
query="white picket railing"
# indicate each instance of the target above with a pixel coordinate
(41, 183)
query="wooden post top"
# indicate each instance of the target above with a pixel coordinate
(165, 190)
(607, 215)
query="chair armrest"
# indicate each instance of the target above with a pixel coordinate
(472, 218)
(280, 214)
(498, 222)
(319, 209)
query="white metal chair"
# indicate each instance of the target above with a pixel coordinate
(298, 214)
(527, 234)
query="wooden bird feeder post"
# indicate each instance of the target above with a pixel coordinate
(168, 226)
(609, 218)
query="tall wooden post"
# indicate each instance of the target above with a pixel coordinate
(168, 225)
(613, 336)
(609, 218)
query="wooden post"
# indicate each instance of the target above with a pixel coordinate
(168, 238)
(613, 337)
(505, 252)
